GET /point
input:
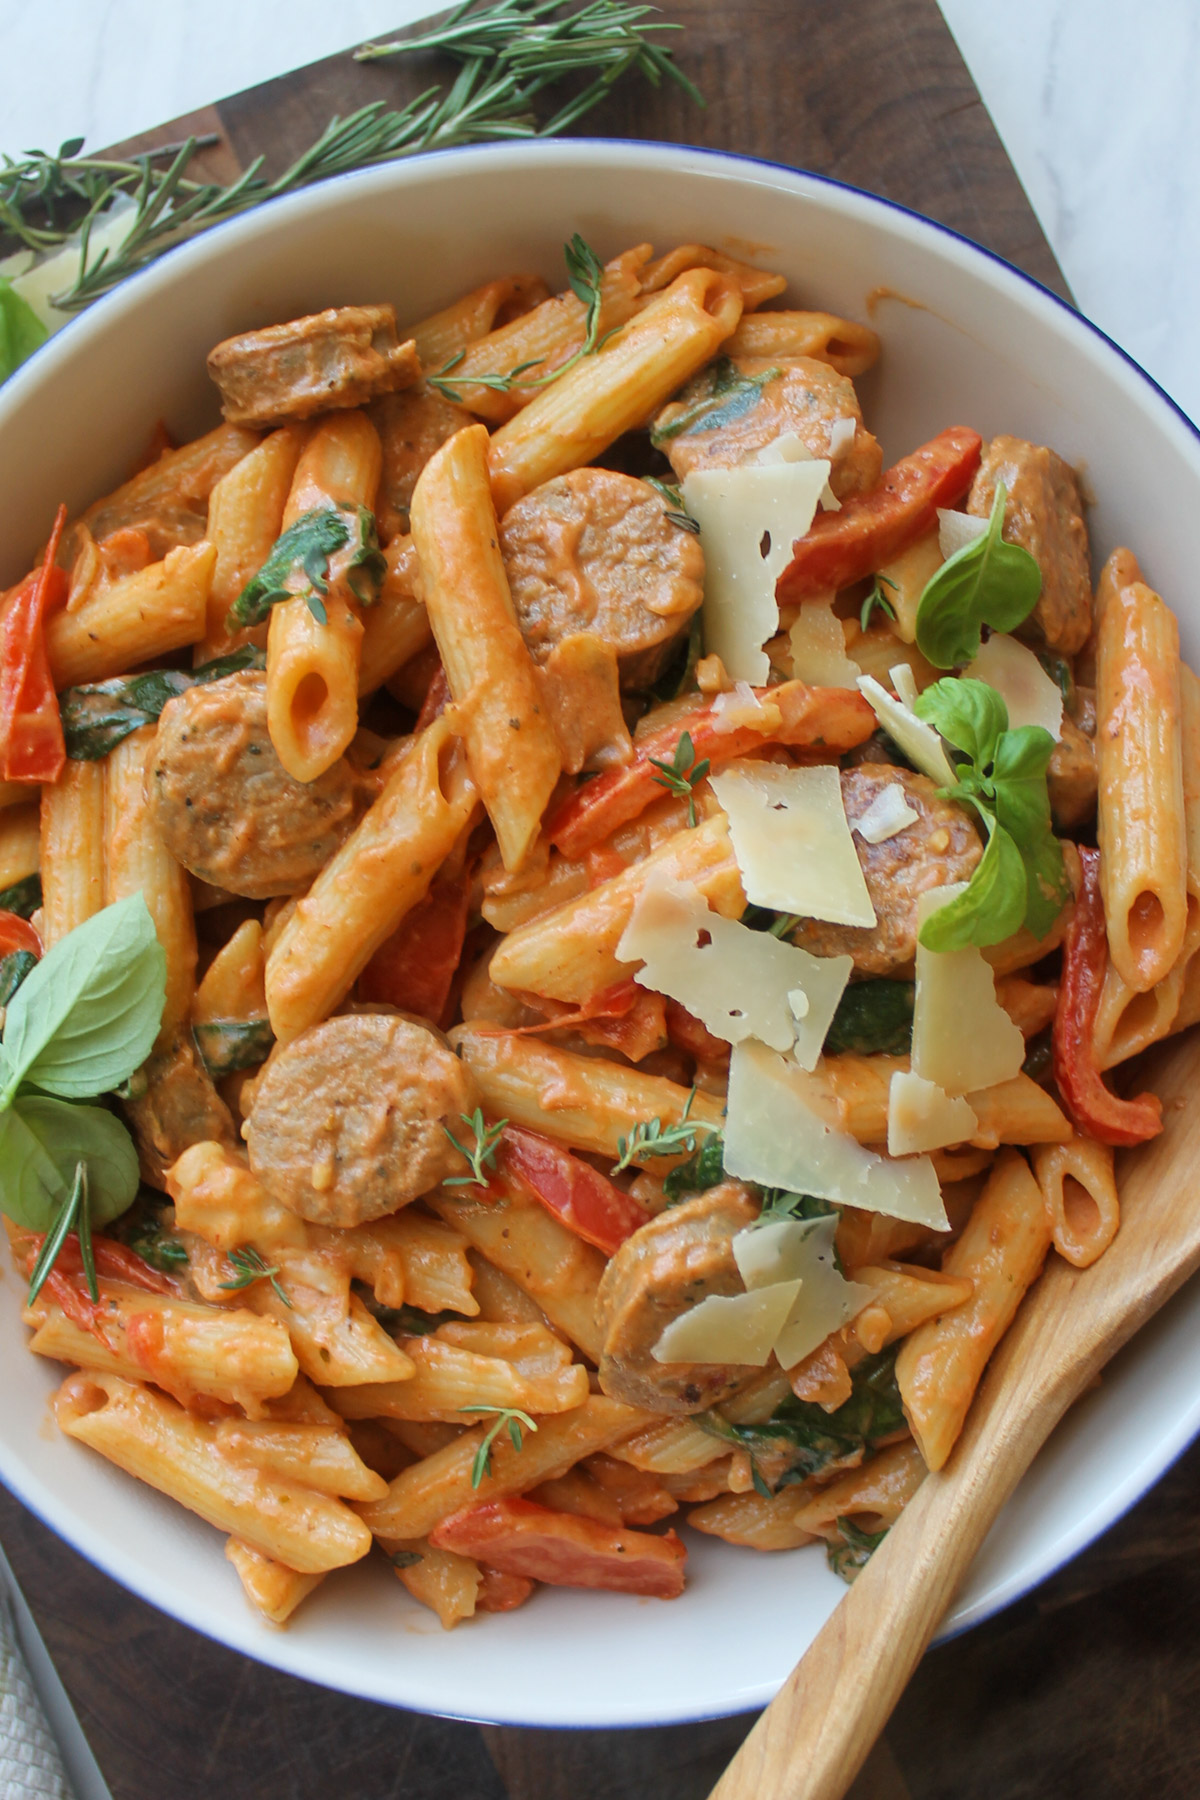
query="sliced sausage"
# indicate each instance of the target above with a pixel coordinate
(1044, 513)
(224, 804)
(941, 847)
(337, 358)
(411, 426)
(665, 1269)
(1073, 777)
(595, 552)
(349, 1120)
(738, 405)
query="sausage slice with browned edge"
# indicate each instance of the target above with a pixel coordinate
(321, 363)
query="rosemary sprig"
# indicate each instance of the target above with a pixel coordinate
(877, 598)
(73, 1215)
(481, 1156)
(585, 275)
(509, 51)
(652, 1138)
(252, 1267)
(514, 1418)
(784, 924)
(680, 775)
(677, 512)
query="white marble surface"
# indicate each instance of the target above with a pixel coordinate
(1093, 98)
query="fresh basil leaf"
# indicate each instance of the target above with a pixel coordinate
(101, 714)
(367, 567)
(87, 1016)
(988, 582)
(968, 713)
(701, 1171)
(725, 395)
(304, 549)
(41, 1141)
(23, 897)
(21, 331)
(13, 970)
(1018, 779)
(990, 908)
(227, 1045)
(873, 1018)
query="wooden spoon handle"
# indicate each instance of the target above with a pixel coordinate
(816, 1734)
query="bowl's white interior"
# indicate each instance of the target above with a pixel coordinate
(967, 341)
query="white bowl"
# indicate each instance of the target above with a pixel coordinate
(967, 340)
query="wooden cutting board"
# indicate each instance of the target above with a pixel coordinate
(1087, 1686)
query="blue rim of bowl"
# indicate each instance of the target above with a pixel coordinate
(1071, 1542)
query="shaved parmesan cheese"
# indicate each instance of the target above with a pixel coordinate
(777, 1134)
(737, 510)
(740, 983)
(1022, 683)
(955, 529)
(826, 1300)
(792, 841)
(842, 434)
(905, 684)
(923, 1116)
(919, 742)
(962, 1037)
(729, 1328)
(739, 706)
(789, 447)
(888, 813)
(819, 647)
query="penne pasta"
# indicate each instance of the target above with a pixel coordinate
(512, 750)
(1080, 1195)
(146, 615)
(849, 348)
(274, 1590)
(245, 516)
(20, 843)
(466, 320)
(72, 852)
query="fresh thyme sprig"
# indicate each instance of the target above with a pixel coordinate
(585, 276)
(652, 1138)
(482, 1156)
(252, 1267)
(680, 775)
(677, 512)
(509, 51)
(514, 1418)
(877, 598)
(73, 1215)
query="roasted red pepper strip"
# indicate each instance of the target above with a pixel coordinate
(17, 933)
(521, 1538)
(582, 1199)
(1095, 1110)
(415, 969)
(835, 719)
(841, 547)
(115, 1261)
(30, 727)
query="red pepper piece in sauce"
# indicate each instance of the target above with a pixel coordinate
(31, 731)
(564, 1549)
(582, 1199)
(842, 547)
(1094, 1108)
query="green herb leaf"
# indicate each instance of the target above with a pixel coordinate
(701, 1172)
(297, 567)
(585, 275)
(722, 395)
(227, 1045)
(851, 1550)
(147, 1228)
(252, 1266)
(873, 1018)
(968, 713)
(72, 1214)
(13, 970)
(988, 582)
(101, 714)
(877, 599)
(482, 1153)
(21, 331)
(41, 1141)
(778, 1205)
(23, 897)
(87, 1016)
(406, 1559)
(991, 906)
(681, 774)
(652, 1138)
(677, 512)
(510, 1416)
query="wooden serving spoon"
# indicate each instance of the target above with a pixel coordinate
(816, 1733)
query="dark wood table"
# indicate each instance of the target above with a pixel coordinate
(1083, 1688)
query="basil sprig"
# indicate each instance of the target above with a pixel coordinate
(987, 582)
(100, 715)
(77, 1027)
(298, 566)
(1021, 878)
